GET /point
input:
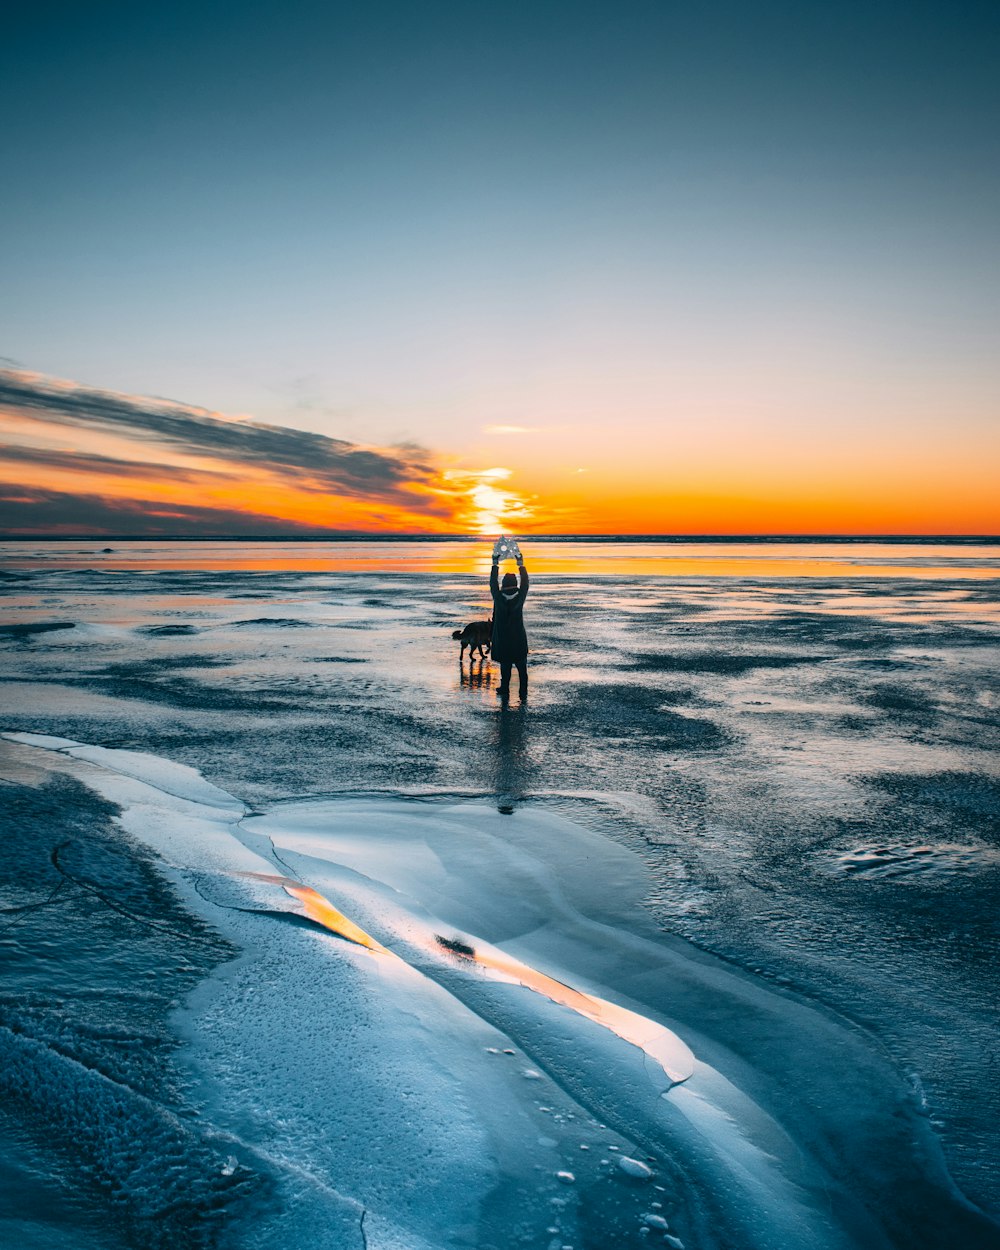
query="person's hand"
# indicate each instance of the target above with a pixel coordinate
(515, 551)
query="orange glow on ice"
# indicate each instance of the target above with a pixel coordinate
(653, 1039)
(321, 910)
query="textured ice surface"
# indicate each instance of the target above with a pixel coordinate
(322, 1059)
(776, 756)
(389, 1045)
(918, 863)
(43, 740)
(468, 849)
(176, 779)
(94, 946)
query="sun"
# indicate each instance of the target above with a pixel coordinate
(488, 507)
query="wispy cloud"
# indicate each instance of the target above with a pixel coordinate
(511, 429)
(193, 431)
(33, 510)
(88, 462)
(77, 458)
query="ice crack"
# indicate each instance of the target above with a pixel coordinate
(144, 921)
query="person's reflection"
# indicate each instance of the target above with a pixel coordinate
(479, 677)
(509, 756)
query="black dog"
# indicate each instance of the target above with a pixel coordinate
(477, 636)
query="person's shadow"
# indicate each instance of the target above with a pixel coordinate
(509, 756)
(505, 746)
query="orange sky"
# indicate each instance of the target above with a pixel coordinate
(77, 460)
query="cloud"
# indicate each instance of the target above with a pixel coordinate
(32, 510)
(91, 459)
(334, 463)
(511, 429)
(88, 462)
(79, 460)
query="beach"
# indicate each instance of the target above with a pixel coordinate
(309, 938)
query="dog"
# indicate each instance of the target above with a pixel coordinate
(477, 636)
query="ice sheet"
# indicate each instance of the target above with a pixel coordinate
(798, 775)
(325, 1056)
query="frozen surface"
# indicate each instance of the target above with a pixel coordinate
(762, 814)
(400, 1040)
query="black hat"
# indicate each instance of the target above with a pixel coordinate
(509, 579)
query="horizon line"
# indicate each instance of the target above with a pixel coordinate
(339, 536)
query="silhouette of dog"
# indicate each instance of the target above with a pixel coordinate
(477, 636)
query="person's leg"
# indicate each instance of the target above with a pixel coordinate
(522, 677)
(505, 667)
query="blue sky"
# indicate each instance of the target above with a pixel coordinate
(416, 222)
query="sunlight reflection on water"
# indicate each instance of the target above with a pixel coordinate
(608, 559)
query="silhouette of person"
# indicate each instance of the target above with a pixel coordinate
(510, 642)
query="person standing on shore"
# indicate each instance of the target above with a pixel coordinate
(510, 642)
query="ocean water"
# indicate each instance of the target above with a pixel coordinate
(748, 820)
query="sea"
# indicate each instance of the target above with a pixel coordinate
(307, 937)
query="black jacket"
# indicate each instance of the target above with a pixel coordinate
(510, 642)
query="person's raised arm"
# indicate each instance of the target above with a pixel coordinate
(495, 577)
(524, 580)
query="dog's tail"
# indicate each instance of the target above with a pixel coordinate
(458, 633)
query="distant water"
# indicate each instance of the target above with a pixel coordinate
(620, 556)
